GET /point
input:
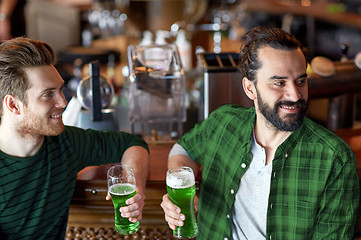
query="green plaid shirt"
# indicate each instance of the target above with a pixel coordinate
(314, 192)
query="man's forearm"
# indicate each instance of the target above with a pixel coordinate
(138, 158)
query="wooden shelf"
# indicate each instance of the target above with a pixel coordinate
(317, 10)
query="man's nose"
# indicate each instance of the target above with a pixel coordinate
(61, 101)
(292, 93)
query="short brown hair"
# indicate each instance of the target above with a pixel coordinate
(16, 55)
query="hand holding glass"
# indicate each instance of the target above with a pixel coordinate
(121, 186)
(181, 190)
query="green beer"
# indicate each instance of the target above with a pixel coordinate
(181, 190)
(120, 192)
(121, 186)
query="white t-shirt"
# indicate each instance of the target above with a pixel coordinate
(250, 206)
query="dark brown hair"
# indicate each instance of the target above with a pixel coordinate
(259, 37)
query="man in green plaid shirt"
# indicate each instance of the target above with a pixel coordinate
(268, 172)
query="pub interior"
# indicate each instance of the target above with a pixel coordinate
(206, 33)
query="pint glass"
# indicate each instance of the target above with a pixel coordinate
(121, 186)
(181, 190)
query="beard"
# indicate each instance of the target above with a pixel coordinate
(35, 126)
(291, 122)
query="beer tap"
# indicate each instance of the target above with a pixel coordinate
(344, 51)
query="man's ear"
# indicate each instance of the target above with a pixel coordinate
(12, 104)
(249, 88)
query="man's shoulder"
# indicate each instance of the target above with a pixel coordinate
(234, 110)
(231, 116)
(320, 134)
(70, 130)
(72, 134)
(83, 132)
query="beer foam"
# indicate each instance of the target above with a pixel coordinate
(129, 186)
(180, 180)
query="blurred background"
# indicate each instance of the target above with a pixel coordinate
(81, 31)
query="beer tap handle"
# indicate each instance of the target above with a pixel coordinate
(344, 52)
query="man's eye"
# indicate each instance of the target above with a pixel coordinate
(302, 81)
(48, 94)
(279, 83)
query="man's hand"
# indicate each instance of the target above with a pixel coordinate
(134, 209)
(173, 214)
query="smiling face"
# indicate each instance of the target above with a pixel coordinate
(42, 115)
(280, 91)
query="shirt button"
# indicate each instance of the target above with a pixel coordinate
(243, 165)
(227, 216)
(286, 155)
(232, 191)
(225, 238)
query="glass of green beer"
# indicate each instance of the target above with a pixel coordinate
(121, 186)
(181, 190)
